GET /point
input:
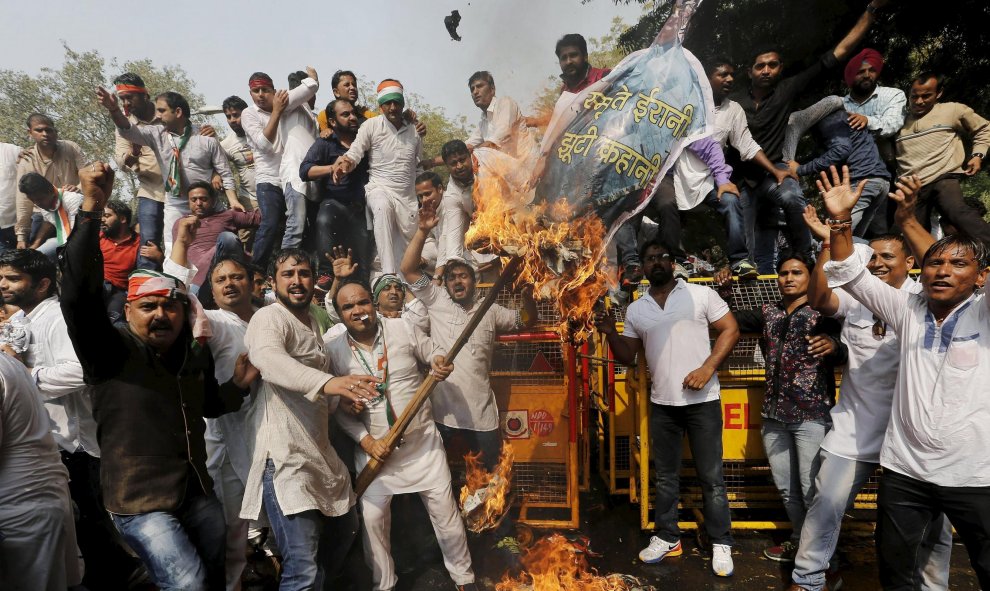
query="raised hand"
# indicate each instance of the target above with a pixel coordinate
(281, 101)
(428, 218)
(838, 194)
(96, 184)
(107, 99)
(312, 73)
(343, 262)
(906, 197)
(814, 223)
(185, 230)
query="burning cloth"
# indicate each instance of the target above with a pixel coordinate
(603, 155)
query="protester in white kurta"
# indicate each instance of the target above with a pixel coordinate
(228, 456)
(419, 465)
(38, 545)
(395, 154)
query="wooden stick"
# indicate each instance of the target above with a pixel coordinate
(394, 435)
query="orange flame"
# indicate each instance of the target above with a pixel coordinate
(543, 234)
(493, 486)
(555, 564)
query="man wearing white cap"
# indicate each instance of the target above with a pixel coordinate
(396, 153)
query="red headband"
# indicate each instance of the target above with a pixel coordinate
(131, 88)
(260, 83)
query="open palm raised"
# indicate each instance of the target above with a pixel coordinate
(838, 194)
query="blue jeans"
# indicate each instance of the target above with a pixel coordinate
(790, 198)
(458, 442)
(874, 194)
(792, 451)
(271, 202)
(295, 217)
(703, 425)
(184, 549)
(838, 482)
(731, 207)
(313, 546)
(151, 217)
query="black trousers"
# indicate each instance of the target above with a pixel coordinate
(945, 195)
(909, 511)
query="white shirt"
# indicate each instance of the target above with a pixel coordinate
(940, 417)
(8, 184)
(504, 125)
(676, 340)
(731, 128)
(301, 130)
(395, 154)
(227, 434)
(465, 399)
(420, 462)
(59, 377)
(71, 202)
(456, 209)
(268, 155)
(860, 417)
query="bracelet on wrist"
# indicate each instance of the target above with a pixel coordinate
(831, 221)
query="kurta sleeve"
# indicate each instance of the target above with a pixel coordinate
(267, 340)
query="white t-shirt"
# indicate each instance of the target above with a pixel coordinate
(676, 340)
(860, 417)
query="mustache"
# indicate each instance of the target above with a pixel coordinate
(156, 324)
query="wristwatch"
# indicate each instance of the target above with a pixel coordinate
(979, 155)
(90, 215)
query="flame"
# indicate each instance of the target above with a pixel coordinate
(556, 564)
(491, 488)
(542, 235)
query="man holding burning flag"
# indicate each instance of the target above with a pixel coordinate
(393, 349)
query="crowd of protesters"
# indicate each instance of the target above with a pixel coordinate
(182, 373)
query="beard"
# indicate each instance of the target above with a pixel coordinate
(660, 276)
(286, 301)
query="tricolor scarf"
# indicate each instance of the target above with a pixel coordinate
(63, 227)
(173, 180)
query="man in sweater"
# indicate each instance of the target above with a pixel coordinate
(930, 146)
(151, 390)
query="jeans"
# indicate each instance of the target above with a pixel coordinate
(792, 451)
(731, 207)
(313, 546)
(874, 194)
(838, 482)
(114, 299)
(295, 217)
(625, 239)
(945, 195)
(271, 201)
(343, 224)
(790, 198)
(909, 519)
(703, 425)
(458, 442)
(151, 218)
(183, 549)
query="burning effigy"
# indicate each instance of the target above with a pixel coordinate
(486, 496)
(555, 563)
(602, 156)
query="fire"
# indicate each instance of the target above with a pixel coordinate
(556, 564)
(485, 495)
(563, 253)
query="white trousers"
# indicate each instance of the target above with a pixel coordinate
(447, 525)
(230, 490)
(394, 221)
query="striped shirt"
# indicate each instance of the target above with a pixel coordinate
(932, 146)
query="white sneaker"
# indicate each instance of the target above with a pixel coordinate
(658, 549)
(722, 560)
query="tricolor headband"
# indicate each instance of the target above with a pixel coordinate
(390, 90)
(131, 88)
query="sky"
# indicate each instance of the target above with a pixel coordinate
(220, 43)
